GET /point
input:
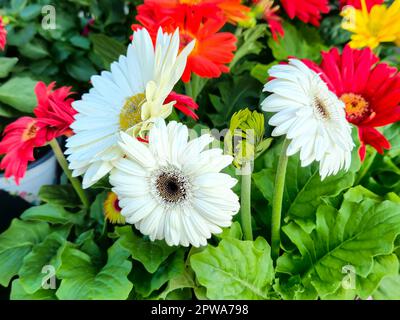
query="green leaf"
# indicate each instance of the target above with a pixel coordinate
(18, 92)
(53, 214)
(248, 43)
(30, 12)
(80, 42)
(150, 253)
(260, 71)
(22, 36)
(62, 195)
(82, 280)
(18, 293)
(389, 289)
(234, 231)
(234, 95)
(6, 65)
(235, 269)
(304, 190)
(361, 287)
(8, 112)
(108, 49)
(18, 5)
(46, 253)
(97, 212)
(363, 229)
(302, 42)
(81, 69)
(177, 284)
(34, 50)
(15, 243)
(145, 283)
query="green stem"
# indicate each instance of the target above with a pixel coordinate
(64, 165)
(188, 89)
(245, 198)
(366, 166)
(277, 202)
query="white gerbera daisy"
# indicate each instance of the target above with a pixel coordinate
(128, 99)
(310, 115)
(172, 189)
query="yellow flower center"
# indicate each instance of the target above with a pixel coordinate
(112, 210)
(131, 113)
(30, 132)
(357, 108)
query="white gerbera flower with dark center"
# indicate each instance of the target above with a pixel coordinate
(128, 98)
(310, 115)
(172, 189)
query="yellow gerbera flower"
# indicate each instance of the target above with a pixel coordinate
(381, 24)
(112, 210)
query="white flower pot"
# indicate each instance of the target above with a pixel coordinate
(41, 172)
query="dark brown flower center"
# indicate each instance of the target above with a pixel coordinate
(172, 187)
(321, 108)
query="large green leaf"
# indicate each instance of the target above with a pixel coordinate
(47, 253)
(15, 243)
(34, 50)
(248, 43)
(52, 214)
(108, 49)
(383, 266)
(6, 65)
(18, 92)
(63, 195)
(81, 279)
(18, 293)
(363, 229)
(235, 269)
(150, 253)
(389, 289)
(178, 284)
(302, 42)
(304, 190)
(80, 68)
(146, 283)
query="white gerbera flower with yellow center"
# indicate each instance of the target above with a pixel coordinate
(172, 189)
(310, 115)
(128, 98)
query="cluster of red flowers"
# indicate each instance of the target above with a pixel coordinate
(53, 117)
(369, 88)
(199, 20)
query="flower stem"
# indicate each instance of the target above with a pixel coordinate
(365, 167)
(195, 86)
(64, 165)
(277, 202)
(246, 201)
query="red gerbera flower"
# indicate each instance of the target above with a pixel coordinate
(357, 3)
(233, 10)
(184, 103)
(20, 139)
(54, 116)
(308, 11)
(213, 49)
(3, 34)
(370, 89)
(54, 109)
(269, 13)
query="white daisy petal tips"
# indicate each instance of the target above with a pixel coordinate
(172, 189)
(128, 98)
(310, 115)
